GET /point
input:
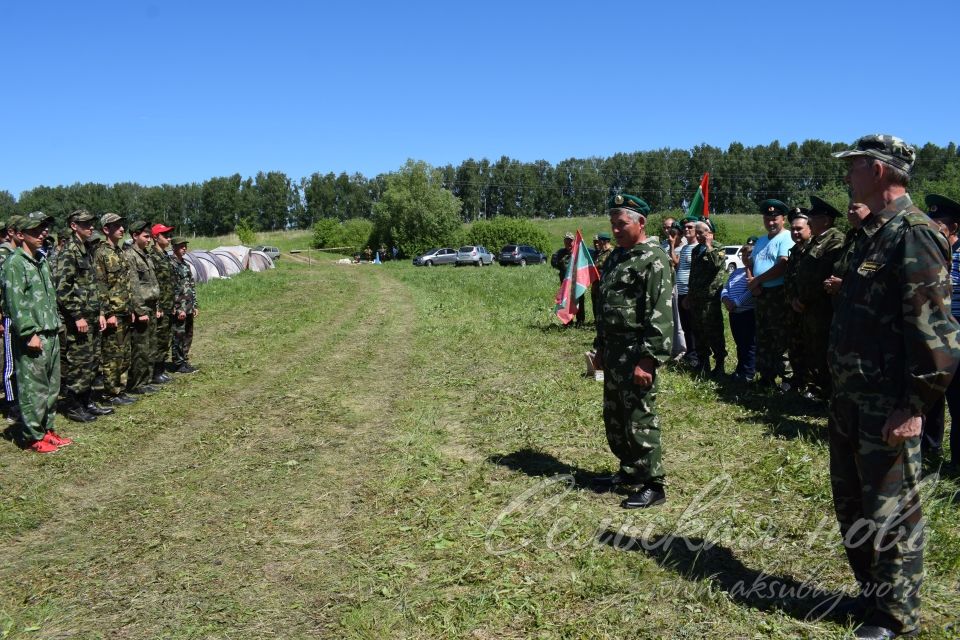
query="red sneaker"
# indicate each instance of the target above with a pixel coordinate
(57, 440)
(42, 446)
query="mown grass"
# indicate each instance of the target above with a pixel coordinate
(377, 452)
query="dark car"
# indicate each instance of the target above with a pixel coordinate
(521, 254)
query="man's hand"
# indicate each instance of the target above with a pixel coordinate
(728, 303)
(144, 318)
(832, 285)
(643, 373)
(103, 322)
(181, 315)
(900, 426)
(82, 326)
(34, 343)
(196, 312)
(112, 322)
(797, 305)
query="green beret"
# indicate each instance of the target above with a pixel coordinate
(799, 212)
(820, 207)
(773, 207)
(752, 240)
(33, 220)
(627, 201)
(178, 240)
(138, 226)
(942, 207)
(110, 218)
(884, 147)
(604, 237)
(80, 215)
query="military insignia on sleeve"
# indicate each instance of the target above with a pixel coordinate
(868, 268)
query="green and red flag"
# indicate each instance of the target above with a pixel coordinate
(700, 206)
(580, 275)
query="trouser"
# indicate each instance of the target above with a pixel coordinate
(632, 427)
(182, 340)
(931, 442)
(815, 326)
(162, 338)
(80, 358)
(141, 352)
(875, 494)
(743, 326)
(38, 383)
(796, 352)
(707, 324)
(686, 326)
(771, 334)
(9, 381)
(115, 354)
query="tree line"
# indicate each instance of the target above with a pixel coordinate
(666, 178)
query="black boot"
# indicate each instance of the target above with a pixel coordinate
(72, 409)
(159, 377)
(650, 496)
(92, 407)
(717, 369)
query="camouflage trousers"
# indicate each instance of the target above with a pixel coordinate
(875, 495)
(707, 319)
(115, 356)
(771, 334)
(79, 358)
(815, 331)
(796, 352)
(141, 352)
(161, 342)
(38, 383)
(633, 428)
(182, 340)
(9, 381)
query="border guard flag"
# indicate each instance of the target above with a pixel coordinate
(580, 275)
(701, 202)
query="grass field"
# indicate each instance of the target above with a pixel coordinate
(391, 452)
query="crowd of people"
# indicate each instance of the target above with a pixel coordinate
(89, 323)
(866, 321)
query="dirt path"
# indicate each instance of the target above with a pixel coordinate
(223, 509)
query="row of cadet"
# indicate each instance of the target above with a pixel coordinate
(90, 326)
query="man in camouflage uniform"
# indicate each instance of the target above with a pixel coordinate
(707, 270)
(9, 245)
(811, 301)
(893, 351)
(634, 334)
(603, 252)
(800, 234)
(560, 261)
(144, 296)
(30, 301)
(185, 308)
(78, 296)
(113, 275)
(163, 267)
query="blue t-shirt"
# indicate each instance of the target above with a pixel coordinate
(767, 252)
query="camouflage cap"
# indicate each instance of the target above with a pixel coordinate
(568, 236)
(14, 222)
(178, 240)
(627, 201)
(942, 207)
(111, 218)
(887, 148)
(138, 226)
(820, 207)
(774, 207)
(33, 220)
(80, 215)
(799, 212)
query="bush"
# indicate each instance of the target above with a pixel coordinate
(352, 235)
(246, 232)
(494, 234)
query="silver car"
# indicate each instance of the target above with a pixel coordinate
(434, 257)
(476, 255)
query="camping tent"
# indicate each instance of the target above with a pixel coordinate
(231, 264)
(259, 261)
(205, 266)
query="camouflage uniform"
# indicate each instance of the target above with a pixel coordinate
(814, 267)
(184, 300)
(163, 267)
(78, 296)
(113, 276)
(791, 319)
(893, 347)
(600, 258)
(30, 301)
(144, 295)
(560, 261)
(9, 382)
(706, 281)
(635, 322)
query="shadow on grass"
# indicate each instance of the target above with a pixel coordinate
(559, 328)
(698, 560)
(537, 464)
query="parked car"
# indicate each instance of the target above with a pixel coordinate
(434, 257)
(732, 255)
(476, 255)
(273, 252)
(521, 254)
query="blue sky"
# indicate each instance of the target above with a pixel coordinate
(174, 92)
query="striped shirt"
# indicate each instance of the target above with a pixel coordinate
(683, 269)
(736, 291)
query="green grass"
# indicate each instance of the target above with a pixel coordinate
(351, 461)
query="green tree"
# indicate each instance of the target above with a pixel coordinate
(415, 211)
(246, 232)
(8, 205)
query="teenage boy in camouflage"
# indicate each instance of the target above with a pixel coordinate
(144, 294)
(185, 308)
(9, 245)
(113, 275)
(163, 267)
(30, 301)
(78, 296)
